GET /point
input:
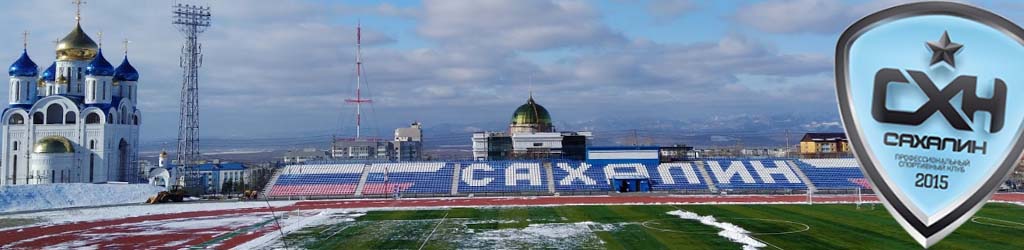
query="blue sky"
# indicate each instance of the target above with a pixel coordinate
(283, 68)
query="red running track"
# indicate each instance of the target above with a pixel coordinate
(148, 232)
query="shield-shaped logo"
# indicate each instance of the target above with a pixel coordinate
(924, 92)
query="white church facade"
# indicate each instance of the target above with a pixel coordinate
(77, 121)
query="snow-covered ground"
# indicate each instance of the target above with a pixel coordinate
(106, 213)
(295, 221)
(50, 196)
(729, 231)
(548, 235)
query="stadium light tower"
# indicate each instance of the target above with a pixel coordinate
(191, 20)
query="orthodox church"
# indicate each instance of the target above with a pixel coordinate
(77, 121)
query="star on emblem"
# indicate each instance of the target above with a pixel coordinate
(943, 50)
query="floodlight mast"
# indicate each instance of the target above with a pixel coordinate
(191, 20)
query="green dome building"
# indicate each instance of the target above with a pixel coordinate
(531, 135)
(531, 118)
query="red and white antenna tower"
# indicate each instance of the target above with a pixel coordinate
(358, 101)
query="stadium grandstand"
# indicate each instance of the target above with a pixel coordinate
(566, 177)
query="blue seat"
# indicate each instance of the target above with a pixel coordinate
(595, 178)
(781, 181)
(493, 177)
(836, 173)
(409, 177)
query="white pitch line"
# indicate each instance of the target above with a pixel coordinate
(975, 220)
(765, 242)
(435, 230)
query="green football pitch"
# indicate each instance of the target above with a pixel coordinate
(842, 226)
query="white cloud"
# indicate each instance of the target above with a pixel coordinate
(808, 16)
(286, 67)
(668, 10)
(527, 25)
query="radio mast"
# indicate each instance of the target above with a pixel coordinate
(358, 101)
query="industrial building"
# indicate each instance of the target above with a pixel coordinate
(362, 149)
(304, 155)
(409, 143)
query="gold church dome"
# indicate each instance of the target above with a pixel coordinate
(53, 144)
(76, 46)
(531, 113)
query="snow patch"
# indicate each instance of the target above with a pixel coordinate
(50, 196)
(106, 213)
(1009, 202)
(296, 221)
(562, 235)
(729, 231)
(204, 223)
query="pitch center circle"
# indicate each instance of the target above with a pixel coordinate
(799, 227)
(997, 222)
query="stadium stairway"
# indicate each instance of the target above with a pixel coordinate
(803, 177)
(270, 184)
(551, 177)
(707, 177)
(455, 178)
(362, 180)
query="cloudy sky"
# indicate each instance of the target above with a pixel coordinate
(284, 67)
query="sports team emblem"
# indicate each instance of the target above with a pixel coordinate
(927, 95)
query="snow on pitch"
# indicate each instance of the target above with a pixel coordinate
(94, 214)
(295, 221)
(729, 231)
(50, 196)
(548, 235)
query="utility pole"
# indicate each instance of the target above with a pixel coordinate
(789, 147)
(636, 141)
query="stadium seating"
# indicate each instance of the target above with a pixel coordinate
(753, 174)
(567, 176)
(417, 177)
(676, 177)
(318, 179)
(577, 176)
(502, 177)
(833, 173)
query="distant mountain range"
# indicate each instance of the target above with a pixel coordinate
(747, 130)
(751, 130)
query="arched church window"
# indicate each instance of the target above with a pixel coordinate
(37, 118)
(70, 118)
(110, 118)
(54, 114)
(16, 119)
(92, 144)
(135, 119)
(92, 118)
(15, 145)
